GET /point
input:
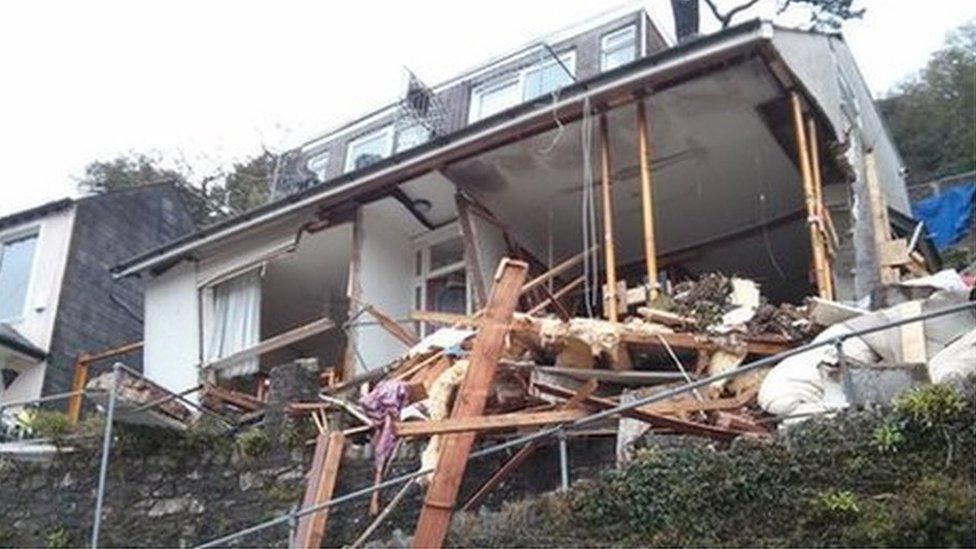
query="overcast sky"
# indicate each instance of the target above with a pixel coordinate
(210, 82)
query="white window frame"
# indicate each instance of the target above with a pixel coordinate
(397, 146)
(321, 159)
(606, 39)
(386, 133)
(422, 246)
(33, 231)
(567, 58)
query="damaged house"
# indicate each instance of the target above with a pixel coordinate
(602, 154)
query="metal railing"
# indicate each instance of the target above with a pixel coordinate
(557, 431)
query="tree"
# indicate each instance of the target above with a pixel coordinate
(210, 198)
(824, 14)
(932, 115)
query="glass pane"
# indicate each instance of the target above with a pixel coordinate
(412, 136)
(318, 165)
(418, 263)
(546, 79)
(15, 265)
(368, 150)
(447, 293)
(446, 253)
(497, 99)
(615, 58)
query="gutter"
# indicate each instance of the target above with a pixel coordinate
(438, 152)
(22, 348)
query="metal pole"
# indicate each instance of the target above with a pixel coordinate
(551, 431)
(106, 448)
(563, 461)
(292, 525)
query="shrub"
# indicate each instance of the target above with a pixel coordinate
(46, 423)
(887, 437)
(57, 538)
(930, 406)
(253, 443)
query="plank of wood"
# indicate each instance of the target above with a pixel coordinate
(435, 516)
(894, 253)
(820, 268)
(272, 343)
(241, 400)
(78, 381)
(471, 259)
(665, 317)
(610, 259)
(881, 226)
(647, 197)
(654, 418)
(498, 422)
(823, 217)
(912, 334)
(556, 295)
(557, 270)
(524, 452)
(321, 484)
(393, 327)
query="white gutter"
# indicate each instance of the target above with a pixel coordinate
(765, 31)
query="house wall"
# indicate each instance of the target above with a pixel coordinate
(383, 277)
(172, 332)
(805, 53)
(454, 95)
(41, 304)
(95, 311)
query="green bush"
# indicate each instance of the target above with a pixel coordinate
(45, 423)
(931, 406)
(253, 443)
(57, 538)
(887, 437)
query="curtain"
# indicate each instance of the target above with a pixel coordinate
(236, 325)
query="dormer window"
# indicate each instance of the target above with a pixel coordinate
(369, 149)
(16, 258)
(319, 165)
(509, 90)
(618, 48)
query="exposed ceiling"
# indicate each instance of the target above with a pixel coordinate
(717, 171)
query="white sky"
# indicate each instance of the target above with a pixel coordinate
(210, 82)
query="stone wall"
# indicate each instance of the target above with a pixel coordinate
(173, 490)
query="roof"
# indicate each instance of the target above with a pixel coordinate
(673, 63)
(24, 216)
(11, 339)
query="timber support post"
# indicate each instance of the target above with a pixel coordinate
(610, 301)
(821, 270)
(647, 199)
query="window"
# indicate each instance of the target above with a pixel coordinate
(411, 136)
(369, 149)
(442, 282)
(319, 165)
(539, 79)
(618, 48)
(16, 258)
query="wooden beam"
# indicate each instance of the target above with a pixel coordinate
(822, 215)
(78, 381)
(406, 336)
(654, 418)
(524, 452)
(556, 295)
(241, 400)
(881, 226)
(321, 484)
(435, 516)
(820, 268)
(498, 422)
(557, 270)
(272, 343)
(608, 249)
(647, 197)
(472, 261)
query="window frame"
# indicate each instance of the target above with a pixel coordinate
(397, 148)
(518, 77)
(386, 132)
(630, 28)
(32, 231)
(421, 251)
(323, 158)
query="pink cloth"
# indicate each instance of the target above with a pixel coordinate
(383, 405)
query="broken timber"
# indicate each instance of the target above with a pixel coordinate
(272, 343)
(484, 423)
(321, 483)
(435, 516)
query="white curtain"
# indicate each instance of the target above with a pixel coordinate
(236, 322)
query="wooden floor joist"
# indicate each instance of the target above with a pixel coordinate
(435, 516)
(321, 484)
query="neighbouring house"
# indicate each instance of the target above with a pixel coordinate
(755, 151)
(57, 296)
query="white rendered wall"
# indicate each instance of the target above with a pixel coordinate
(172, 328)
(385, 280)
(43, 291)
